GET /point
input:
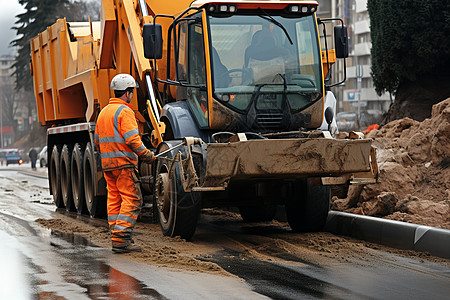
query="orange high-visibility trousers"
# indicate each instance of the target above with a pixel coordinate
(124, 203)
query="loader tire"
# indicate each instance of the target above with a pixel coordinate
(95, 205)
(177, 210)
(262, 213)
(307, 211)
(76, 168)
(55, 176)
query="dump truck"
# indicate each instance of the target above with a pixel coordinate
(234, 98)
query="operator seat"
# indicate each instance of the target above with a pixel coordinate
(263, 60)
(221, 77)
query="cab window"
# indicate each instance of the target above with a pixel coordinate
(192, 67)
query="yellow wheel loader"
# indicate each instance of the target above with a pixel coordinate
(234, 98)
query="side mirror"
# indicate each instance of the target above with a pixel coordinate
(341, 41)
(152, 35)
(329, 115)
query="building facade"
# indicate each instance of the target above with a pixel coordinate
(357, 94)
(360, 83)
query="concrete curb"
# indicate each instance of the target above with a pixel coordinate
(34, 173)
(391, 233)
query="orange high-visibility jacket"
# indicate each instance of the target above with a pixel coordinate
(117, 136)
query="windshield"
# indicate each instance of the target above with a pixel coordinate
(253, 60)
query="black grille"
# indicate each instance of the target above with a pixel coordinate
(269, 121)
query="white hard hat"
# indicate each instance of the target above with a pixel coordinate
(121, 82)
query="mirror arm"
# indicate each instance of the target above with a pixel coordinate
(168, 54)
(172, 27)
(343, 80)
(322, 21)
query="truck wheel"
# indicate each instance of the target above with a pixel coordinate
(66, 181)
(308, 207)
(76, 168)
(177, 210)
(55, 176)
(262, 213)
(95, 205)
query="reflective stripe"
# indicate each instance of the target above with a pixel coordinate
(140, 149)
(112, 139)
(114, 151)
(120, 227)
(130, 133)
(112, 217)
(126, 219)
(95, 136)
(116, 117)
(115, 154)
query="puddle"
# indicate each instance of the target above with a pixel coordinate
(81, 265)
(75, 239)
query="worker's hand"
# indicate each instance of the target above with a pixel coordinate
(148, 156)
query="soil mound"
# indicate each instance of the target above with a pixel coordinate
(414, 163)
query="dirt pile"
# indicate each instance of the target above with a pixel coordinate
(414, 163)
(157, 250)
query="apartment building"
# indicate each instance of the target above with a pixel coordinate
(358, 87)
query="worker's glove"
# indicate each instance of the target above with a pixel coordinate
(148, 156)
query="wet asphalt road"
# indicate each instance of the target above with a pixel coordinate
(39, 264)
(405, 280)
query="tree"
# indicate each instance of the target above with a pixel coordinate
(8, 99)
(411, 53)
(38, 16)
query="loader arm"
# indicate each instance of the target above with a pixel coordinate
(131, 16)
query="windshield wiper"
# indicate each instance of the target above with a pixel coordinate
(283, 76)
(269, 18)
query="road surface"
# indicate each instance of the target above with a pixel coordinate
(227, 259)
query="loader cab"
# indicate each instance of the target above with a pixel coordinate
(272, 68)
(249, 69)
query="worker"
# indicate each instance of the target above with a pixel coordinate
(117, 139)
(33, 157)
(371, 127)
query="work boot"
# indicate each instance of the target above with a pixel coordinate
(126, 248)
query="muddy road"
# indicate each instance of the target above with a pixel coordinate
(47, 254)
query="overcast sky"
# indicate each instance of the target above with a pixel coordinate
(8, 10)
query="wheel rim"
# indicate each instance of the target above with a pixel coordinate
(53, 174)
(88, 181)
(163, 188)
(88, 184)
(65, 178)
(75, 182)
(77, 178)
(55, 179)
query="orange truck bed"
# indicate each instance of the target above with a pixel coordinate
(67, 83)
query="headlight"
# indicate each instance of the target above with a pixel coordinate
(294, 8)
